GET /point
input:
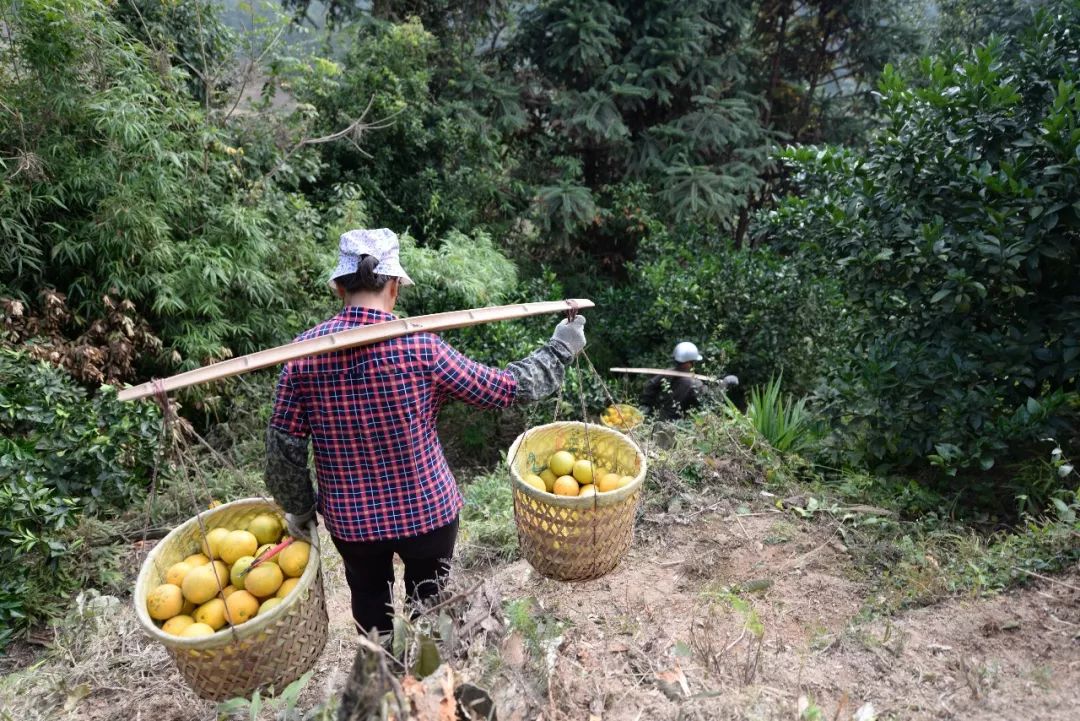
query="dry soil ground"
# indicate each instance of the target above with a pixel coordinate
(712, 616)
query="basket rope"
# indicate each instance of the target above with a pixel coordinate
(167, 413)
(607, 393)
(163, 401)
(585, 420)
(204, 669)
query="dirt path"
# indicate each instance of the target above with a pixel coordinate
(725, 616)
(666, 636)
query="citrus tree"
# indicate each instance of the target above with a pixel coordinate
(956, 237)
(64, 454)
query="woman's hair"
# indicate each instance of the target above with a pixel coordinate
(365, 277)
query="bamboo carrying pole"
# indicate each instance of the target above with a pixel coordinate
(364, 335)
(664, 372)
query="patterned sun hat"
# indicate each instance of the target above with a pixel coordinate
(381, 243)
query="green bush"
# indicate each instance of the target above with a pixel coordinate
(63, 455)
(461, 271)
(955, 235)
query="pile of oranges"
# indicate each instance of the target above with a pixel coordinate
(567, 475)
(212, 587)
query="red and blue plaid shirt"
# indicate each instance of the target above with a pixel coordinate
(371, 414)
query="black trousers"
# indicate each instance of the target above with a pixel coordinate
(369, 570)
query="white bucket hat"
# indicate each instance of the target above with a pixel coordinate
(381, 243)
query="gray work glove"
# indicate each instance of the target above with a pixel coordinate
(298, 524)
(571, 333)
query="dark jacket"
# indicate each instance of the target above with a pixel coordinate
(671, 397)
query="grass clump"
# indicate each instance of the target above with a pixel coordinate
(783, 421)
(918, 548)
(488, 533)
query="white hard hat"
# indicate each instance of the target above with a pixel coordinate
(686, 352)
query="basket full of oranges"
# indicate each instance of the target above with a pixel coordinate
(622, 417)
(576, 489)
(234, 615)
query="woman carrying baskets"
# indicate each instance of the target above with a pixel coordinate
(384, 485)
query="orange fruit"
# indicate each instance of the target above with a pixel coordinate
(561, 463)
(286, 587)
(176, 624)
(197, 629)
(609, 482)
(239, 567)
(212, 613)
(266, 527)
(228, 591)
(200, 585)
(263, 580)
(535, 481)
(211, 545)
(237, 545)
(164, 602)
(269, 604)
(583, 471)
(196, 559)
(565, 486)
(294, 559)
(241, 606)
(587, 490)
(177, 571)
(548, 478)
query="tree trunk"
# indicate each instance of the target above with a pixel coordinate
(774, 76)
(816, 70)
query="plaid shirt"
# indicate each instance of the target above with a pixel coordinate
(371, 414)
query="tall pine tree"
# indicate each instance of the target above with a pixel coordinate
(648, 92)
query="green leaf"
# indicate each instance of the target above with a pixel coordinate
(429, 659)
(941, 295)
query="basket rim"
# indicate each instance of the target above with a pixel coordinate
(597, 500)
(227, 634)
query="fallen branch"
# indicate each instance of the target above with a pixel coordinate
(1047, 578)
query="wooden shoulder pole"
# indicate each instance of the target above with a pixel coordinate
(364, 335)
(664, 372)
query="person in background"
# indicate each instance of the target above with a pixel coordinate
(383, 483)
(670, 397)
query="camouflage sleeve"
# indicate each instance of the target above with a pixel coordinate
(287, 476)
(541, 374)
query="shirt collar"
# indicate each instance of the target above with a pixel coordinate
(359, 315)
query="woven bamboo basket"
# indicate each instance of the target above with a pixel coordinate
(622, 417)
(566, 537)
(272, 649)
